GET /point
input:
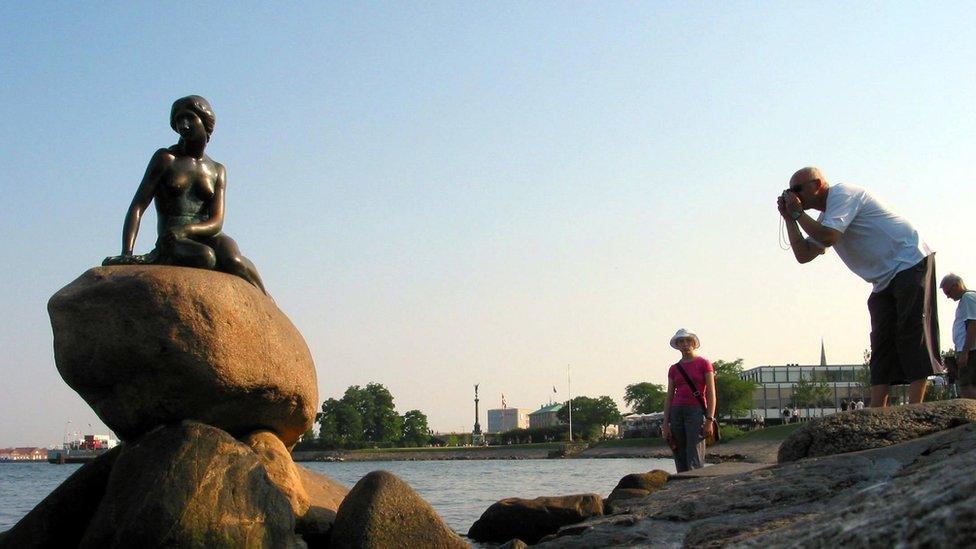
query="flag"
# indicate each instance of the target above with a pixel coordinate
(554, 389)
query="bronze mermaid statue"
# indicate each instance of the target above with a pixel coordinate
(188, 189)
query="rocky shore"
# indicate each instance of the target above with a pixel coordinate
(899, 476)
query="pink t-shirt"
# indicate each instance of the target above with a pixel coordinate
(696, 370)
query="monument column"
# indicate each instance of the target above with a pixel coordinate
(477, 438)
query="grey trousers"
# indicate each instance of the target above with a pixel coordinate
(687, 426)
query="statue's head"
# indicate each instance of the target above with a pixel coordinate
(200, 106)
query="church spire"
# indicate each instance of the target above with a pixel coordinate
(823, 353)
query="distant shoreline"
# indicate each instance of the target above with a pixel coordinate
(757, 447)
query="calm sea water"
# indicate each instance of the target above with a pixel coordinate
(459, 490)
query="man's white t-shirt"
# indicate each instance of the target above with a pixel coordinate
(875, 243)
(966, 310)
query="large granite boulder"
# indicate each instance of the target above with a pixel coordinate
(874, 428)
(146, 345)
(383, 512)
(60, 519)
(532, 519)
(190, 485)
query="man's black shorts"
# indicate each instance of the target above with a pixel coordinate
(899, 353)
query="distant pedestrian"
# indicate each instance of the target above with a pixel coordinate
(885, 250)
(859, 404)
(843, 405)
(786, 414)
(963, 332)
(689, 405)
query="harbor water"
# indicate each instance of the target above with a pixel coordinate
(459, 490)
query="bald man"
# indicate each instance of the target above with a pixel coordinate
(963, 332)
(885, 250)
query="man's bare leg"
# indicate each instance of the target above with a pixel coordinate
(879, 396)
(916, 391)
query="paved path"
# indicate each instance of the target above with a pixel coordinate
(721, 469)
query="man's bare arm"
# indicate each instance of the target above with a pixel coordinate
(803, 250)
(824, 235)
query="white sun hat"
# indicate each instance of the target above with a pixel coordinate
(684, 333)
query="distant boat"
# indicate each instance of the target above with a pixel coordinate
(83, 450)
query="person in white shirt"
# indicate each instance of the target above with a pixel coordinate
(963, 332)
(885, 250)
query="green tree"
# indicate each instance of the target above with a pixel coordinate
(810, 392)
(591, 415)
(645, 398)
(863, 375)
(380, 422)
(734, 394)
(339, 423)
(415, 430)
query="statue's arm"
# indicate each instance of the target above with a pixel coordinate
(144, 195)
(215, 222)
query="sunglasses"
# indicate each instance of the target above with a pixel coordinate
(799, 186)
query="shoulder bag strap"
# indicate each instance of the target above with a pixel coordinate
(694, 391)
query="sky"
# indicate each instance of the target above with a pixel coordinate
(514, 194)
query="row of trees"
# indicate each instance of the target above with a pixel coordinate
(734, 395)
(366, 416)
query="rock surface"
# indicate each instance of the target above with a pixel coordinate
(920, 493)
(532, 519)
(650, 481)
(635, 485)
(190, 485)
(382, 511)
(281, 470)
(58, 520)
(324, 495)
(874, 428)
(147, 345)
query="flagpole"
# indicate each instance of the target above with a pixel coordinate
(569, 388)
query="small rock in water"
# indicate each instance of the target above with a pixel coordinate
(532, 519)
(381, 511)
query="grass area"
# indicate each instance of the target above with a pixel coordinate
(501, 448)
(776, 432)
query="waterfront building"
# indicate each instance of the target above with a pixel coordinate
(506, 419)
(776, 385)
(545, 416)
(30, 453)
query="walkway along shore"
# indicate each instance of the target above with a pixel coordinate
(754, 447)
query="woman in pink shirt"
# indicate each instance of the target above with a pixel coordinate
(686, 421)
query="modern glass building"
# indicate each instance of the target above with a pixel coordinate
(776, 384)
